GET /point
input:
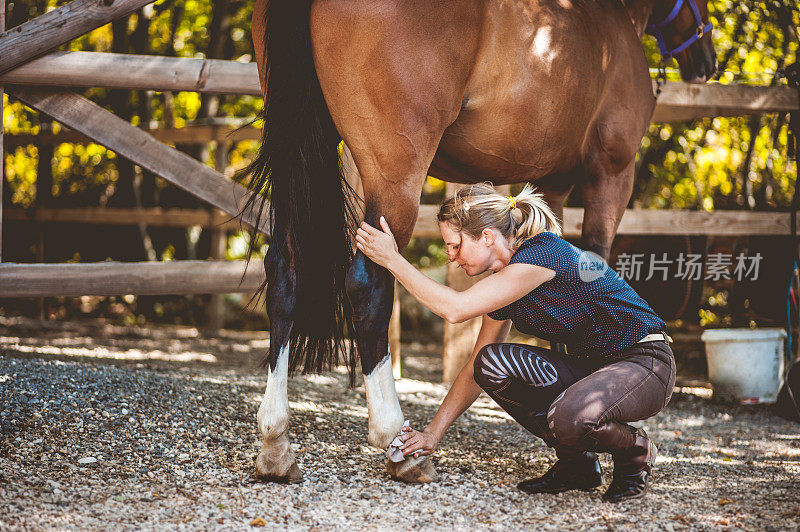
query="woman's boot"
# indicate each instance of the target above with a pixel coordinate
(633, 454)
(633, 469)
(574, 470)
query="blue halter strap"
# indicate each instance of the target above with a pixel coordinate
(656, 30)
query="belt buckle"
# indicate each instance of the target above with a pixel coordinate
(652, 337)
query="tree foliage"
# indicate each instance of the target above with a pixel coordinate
(88, 175)
(727, 162)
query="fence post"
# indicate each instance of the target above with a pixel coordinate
(44, 198)
(219, 244)
(459, 338)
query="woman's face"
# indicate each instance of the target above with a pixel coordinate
(474, 256)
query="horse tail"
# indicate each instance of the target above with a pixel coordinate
(311, 205)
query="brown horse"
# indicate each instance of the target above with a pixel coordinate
(552, 91)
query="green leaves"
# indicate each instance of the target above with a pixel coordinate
(702, 161)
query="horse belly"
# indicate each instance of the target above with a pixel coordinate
(506, 149)
(538, 81)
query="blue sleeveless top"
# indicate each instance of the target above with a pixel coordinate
(586, 306)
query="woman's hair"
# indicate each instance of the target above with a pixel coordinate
(477, 207)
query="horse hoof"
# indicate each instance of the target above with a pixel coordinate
(276, 463)
(413, 470)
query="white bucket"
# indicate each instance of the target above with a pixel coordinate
(745, 364)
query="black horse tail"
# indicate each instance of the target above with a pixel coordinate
(311, 205)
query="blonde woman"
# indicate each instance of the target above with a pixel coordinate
(618, 366)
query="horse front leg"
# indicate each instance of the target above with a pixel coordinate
(371, 290)
(276, 461)
(609, 156)
(605, 197)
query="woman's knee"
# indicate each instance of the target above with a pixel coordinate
(485, 371)
(651, 395)
(571, 419)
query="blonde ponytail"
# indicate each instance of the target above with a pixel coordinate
(477, 207)
(535, 215)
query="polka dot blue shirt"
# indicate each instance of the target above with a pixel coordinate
(586, 306)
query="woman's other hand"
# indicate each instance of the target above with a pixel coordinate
(378, 245)
(417, 443)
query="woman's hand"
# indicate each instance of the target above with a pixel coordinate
(417, 443)
(378, 245)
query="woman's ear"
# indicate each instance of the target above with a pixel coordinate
(488, 237)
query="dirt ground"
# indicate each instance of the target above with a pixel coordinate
(111, 428)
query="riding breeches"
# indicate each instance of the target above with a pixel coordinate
(574, 403)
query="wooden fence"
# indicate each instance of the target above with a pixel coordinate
(38, 80)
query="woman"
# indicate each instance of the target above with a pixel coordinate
(618, 366)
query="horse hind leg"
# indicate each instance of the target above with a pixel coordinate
(276, 461)
(371, 290)
(371, 293)
(609, 158)
(556, 189)
(385, 421)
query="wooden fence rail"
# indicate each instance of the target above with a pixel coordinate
(183, 135)
(679, 101)
(138, 72)
(634, 221)
(154, 216)
(122, 278)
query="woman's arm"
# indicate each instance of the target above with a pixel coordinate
(462, 394)
(488, 294)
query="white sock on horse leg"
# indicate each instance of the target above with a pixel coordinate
(385, 415)
(273, 414)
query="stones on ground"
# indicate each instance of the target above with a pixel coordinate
(42, 482)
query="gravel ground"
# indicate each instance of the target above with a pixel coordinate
(138, 428)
